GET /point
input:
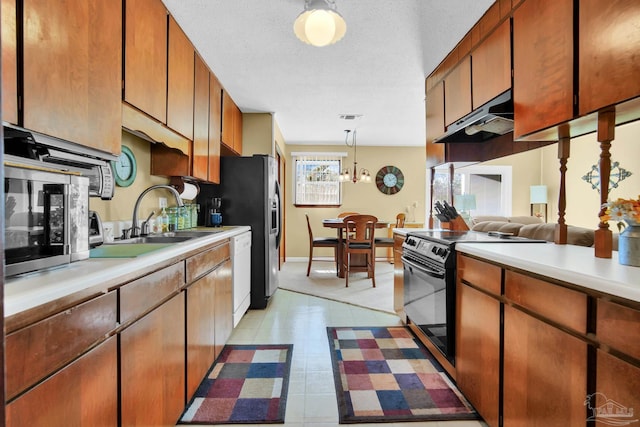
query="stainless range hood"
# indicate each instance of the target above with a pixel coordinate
(490, 120)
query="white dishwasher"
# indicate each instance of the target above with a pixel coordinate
(241, 261)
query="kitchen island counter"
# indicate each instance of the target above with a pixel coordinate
(575, 265)
(85, 279)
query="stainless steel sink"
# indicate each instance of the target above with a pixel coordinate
(170, 237)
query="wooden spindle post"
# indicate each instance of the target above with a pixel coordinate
(432, 178)
(606, 133)
(451, 179)
(564, 144)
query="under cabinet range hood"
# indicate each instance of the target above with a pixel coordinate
(490, 120)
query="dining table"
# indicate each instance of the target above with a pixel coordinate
(340, 225)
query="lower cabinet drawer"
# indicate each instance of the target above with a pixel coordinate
(141, 295)
(36, 351)
(619, 327)
(83, 393)
(561, 305)
(200, 264)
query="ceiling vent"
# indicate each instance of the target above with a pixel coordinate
(350, 116)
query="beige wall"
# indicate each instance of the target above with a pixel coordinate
(257, 134)
(120, 208)
(583, 203)
(360, 197)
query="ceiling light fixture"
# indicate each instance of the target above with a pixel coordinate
(320, 24)
(364, 174)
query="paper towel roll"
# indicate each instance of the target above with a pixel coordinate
(189, 192)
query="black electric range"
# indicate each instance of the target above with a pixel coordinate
(429, 262)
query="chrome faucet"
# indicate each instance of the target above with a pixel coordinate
(134, 221)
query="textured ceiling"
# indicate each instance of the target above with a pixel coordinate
(377, 69)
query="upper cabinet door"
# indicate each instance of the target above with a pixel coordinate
(72, 71)
(215, 126)
(145, 57)
(609, 53)
(200, 153)
(491, 66)
(180, 77)
(435, 124)
(226, 132)
(9, 64)
(542, 65)
(457, 89)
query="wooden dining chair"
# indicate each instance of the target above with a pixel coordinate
(320, 242)
(387, 242)
(360, 240)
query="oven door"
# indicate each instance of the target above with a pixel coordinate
(429, 301)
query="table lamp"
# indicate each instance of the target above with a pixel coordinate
(538, 196)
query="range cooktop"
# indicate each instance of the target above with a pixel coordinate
(450, 237)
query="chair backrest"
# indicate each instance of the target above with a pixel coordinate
(309, 228)
(400, 220)
(361, 228)
(346, 214)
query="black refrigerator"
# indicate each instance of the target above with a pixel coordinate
(250, 196)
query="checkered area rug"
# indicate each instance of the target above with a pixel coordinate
(386, 375)
(246, 384)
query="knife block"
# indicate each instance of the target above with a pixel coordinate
(457, 224)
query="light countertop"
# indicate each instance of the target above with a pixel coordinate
(573, 264)
(31, 290)
(569, 263)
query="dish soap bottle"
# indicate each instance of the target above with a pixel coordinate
(164, 221)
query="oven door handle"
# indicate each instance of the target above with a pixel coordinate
(438, 274)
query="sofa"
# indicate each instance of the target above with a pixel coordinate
(535, 228)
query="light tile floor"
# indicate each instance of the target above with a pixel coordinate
(301, 320)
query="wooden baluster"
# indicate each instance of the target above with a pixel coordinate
(564, 142)
(606, 133)
(432, 178)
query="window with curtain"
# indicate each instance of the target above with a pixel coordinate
(316, 179)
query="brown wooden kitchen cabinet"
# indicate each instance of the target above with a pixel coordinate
(145, 57)
(608, 53)
(435, 124)
(208, 319)
(545, 373)
(457, 89)
(71, 89)
(83, 393)
(491, 65)
(215, 128)
(478, 335)
(231, 132)
(545, 366)
(152, 366)
(542, 65)
(61, 370)
(9, 62)
(206, 124)
(617, 380)
(180, 77)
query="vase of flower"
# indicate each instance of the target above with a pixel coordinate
(629, 244)
(626, 212)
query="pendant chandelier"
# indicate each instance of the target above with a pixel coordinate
(346, 175)
(320, 24)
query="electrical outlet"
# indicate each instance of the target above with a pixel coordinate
(163, 202)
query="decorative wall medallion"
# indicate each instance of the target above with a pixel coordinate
(617, 174)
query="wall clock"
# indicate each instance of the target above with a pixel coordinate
(125, 167)
(389, 180)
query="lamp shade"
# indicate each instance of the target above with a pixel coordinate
(320, 24)
(538, 194)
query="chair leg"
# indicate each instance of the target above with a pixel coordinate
(310, 258)
(373, 270)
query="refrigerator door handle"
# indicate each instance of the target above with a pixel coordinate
(279, 214)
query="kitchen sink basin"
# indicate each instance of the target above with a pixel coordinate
(171, 237)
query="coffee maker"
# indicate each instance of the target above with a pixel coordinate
(215, 212)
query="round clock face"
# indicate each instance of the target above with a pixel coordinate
(124, 168)
(389, 180)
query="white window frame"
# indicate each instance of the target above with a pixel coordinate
(330, 183)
